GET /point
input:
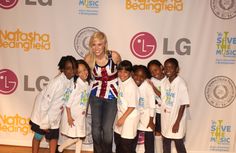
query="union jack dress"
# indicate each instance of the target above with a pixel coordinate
(105, 82)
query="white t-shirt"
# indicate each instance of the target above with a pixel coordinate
(128, 96)
(146, 105)
(77, 102)
(157, 83)
(48, 103)
(173, 95)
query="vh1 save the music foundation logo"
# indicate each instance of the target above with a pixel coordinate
(225, 48)
(88, 7)
(221, 137)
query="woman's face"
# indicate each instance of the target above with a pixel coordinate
(98, 47)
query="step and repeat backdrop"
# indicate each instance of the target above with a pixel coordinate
(201, 34)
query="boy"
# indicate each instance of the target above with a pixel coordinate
(175, 99)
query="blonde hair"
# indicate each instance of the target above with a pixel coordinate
(99, 36)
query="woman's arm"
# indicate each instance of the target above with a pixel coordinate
(116, 57)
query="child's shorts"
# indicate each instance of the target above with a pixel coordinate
(52, 134)
(158, 123)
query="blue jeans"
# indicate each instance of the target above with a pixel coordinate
(103, 115)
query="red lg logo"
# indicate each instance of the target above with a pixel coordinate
(8, 81)
(143, 45)
(8, 4)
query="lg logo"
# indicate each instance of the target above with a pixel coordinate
(40, 82)
(182, 47)
(8, 4)
(143, 45)
(8, 81)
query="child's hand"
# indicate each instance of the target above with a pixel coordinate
(71, 121)
(175, 128)
(151, 125)
(62, 109)
(120, 122)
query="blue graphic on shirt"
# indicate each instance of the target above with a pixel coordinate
(169, 98)
(141, 102)
(66, 95)
(120, 94)
(84, 98)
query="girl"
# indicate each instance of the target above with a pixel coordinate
(175, 98)
(103, 95)
(127, 118)
(146, 106)
(46, 114)
(74, 119)
(156, 70)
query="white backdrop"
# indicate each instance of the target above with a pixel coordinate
(201, 34)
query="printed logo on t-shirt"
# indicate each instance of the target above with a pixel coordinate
(66, 95)
(84, 99)
(120, 94)
(141, 102)
(169, 98)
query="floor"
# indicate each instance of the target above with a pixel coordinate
(17, 149)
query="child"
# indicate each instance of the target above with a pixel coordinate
(46, 114)
(175, 98)
(73, 119)
(157, 72)
(147, 107)
(125, 127)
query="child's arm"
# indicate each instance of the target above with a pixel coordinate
(151, 105)
(151, 123)
(45, 104)
(175, 127)
(69, 117)
(157, 92)
(68, 105)
(121, 120)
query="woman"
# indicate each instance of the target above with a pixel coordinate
(103, 95)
